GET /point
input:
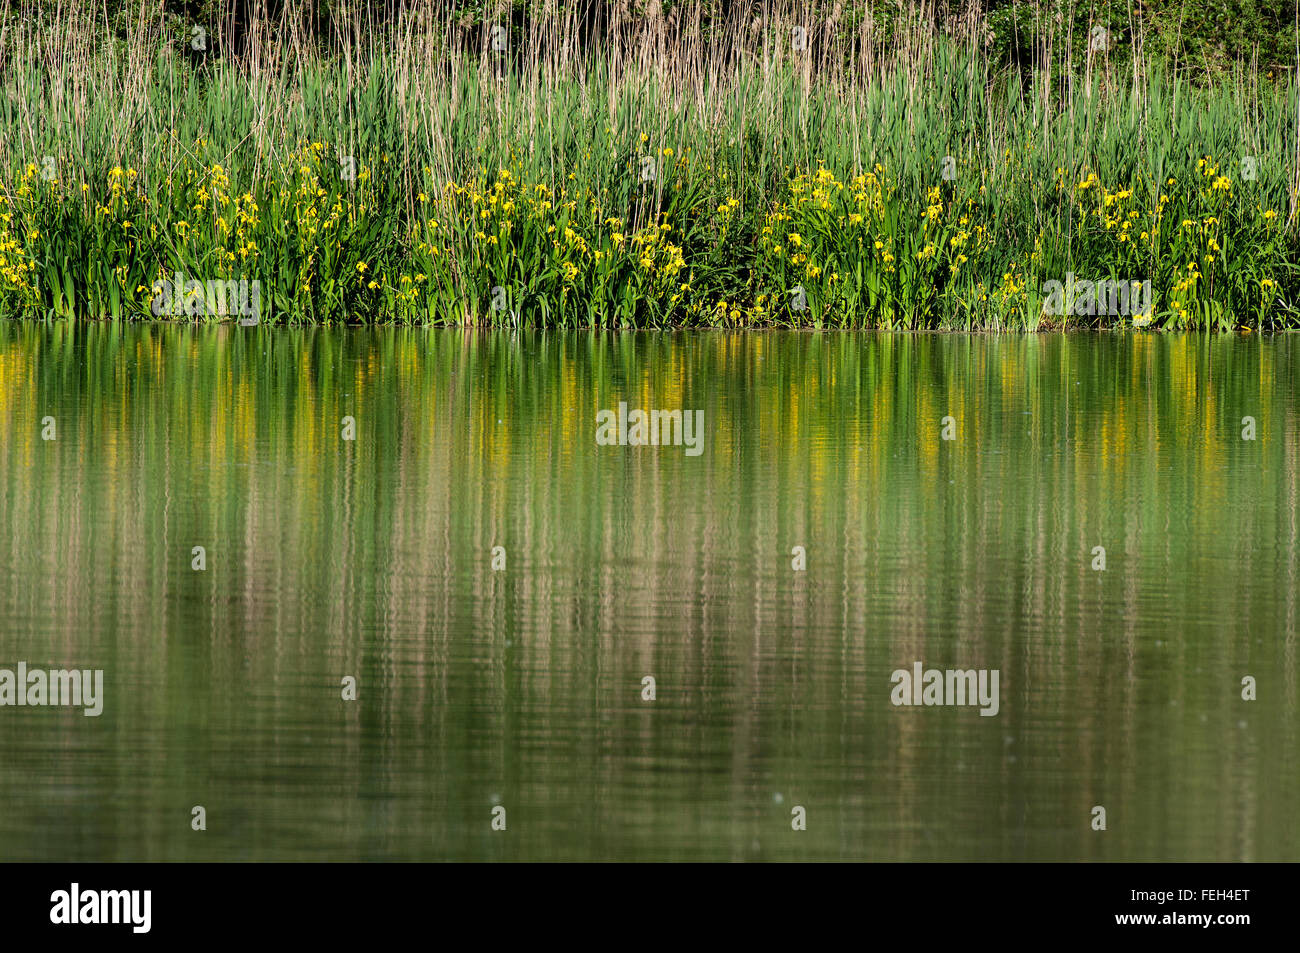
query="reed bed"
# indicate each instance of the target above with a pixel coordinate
(813, 165)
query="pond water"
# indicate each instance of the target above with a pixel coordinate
(521, 687)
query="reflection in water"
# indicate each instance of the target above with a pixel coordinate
(522, 688)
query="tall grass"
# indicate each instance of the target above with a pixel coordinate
(671, 171)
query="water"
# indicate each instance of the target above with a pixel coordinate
(522, 688)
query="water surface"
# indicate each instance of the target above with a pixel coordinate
(522, 688)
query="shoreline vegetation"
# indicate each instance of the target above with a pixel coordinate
(691, 164)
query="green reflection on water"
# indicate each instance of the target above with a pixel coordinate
(372, 558)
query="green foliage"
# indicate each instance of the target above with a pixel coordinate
(518, 190)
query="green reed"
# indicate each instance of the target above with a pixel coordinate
(729, 180)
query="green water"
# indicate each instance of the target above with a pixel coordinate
(522, 688)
